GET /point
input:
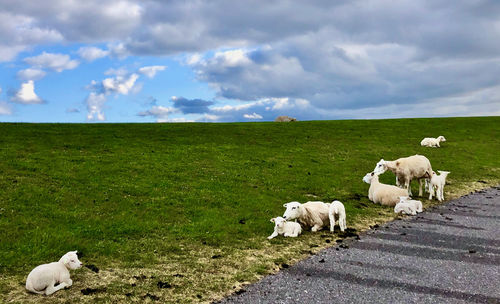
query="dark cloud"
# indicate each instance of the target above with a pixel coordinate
(191, 106)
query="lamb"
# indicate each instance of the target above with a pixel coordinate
(406, 169)
(43, 278)
(437, 183)
(287, 229)
(405, 208)
(381, 193)
(284, 118)
(310, 214)
(337, 208)
(432, 142)
(417, 204)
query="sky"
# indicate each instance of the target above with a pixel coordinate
(238, 61)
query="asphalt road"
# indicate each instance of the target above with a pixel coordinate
(447, 254)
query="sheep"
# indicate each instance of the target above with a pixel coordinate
(310, 214)
(337, 208)
(437, 182)
(406, 169)
(417, 204)
(432, 142)
(282, 227)
(405, 208)
(381, 193)
(43, 278)
(284, 118)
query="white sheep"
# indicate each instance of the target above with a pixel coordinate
(310, 214)
(284, 118)
(437, 183)
(417, 204)
(381, 193)
(287, 229)
(405, 208)
(432, 142)
(406, 169)
(43, 278)
(337, 208)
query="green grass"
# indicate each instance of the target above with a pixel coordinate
(159, 198)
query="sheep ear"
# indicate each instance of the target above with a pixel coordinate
(397, 164)
(285, 205)
(272, 220)
(65, 260)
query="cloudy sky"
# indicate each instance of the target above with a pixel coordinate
(216, 61)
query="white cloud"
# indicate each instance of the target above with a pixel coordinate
(26, 94)
(91, 53)
(232, 58)
(95, 102)
(5, 108)
(159, 112)
(31, 74)
(56, 62)
(116, 72)
(150, 71)
(120, 84)
(253, 116)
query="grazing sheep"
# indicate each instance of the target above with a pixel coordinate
(437, 183)
(432, 142)
(43, 279)
(310, 214)
(337, 208)
(405, 208)
(287, 229)
(417, 204)
(284, 118)
(406, 169)
(381, 193)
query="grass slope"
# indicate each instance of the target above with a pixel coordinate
(189, 204)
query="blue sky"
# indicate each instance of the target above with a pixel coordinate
(219, 61)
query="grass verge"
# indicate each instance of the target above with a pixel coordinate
(180, 212)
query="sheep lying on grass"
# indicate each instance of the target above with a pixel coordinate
(381, 193)
(405, 208)
(432, 142)
(287, 229)
(406, 169)
(310, 214)
(284, 118)
(337, 208)
(437, 183)
(417, 204)
(43, 279)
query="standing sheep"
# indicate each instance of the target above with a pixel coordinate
(381, 193)
(437, 183)
(432, 142)
(337, 208)
(406, 169)
(287, 229)
(310, 214)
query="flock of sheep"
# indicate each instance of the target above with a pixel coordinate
(319, 214)
(49, 278)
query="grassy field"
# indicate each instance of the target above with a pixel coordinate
(180, 212)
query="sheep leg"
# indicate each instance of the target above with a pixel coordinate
(275, 234)
(342, 224)
(51, 288)
(438, 193)
(442, 193)
(408, 186)
(316, 228)
(332, 221)
(431, 191)
(420, 187)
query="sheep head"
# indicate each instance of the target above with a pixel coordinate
(380, 167)
(293, 210)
